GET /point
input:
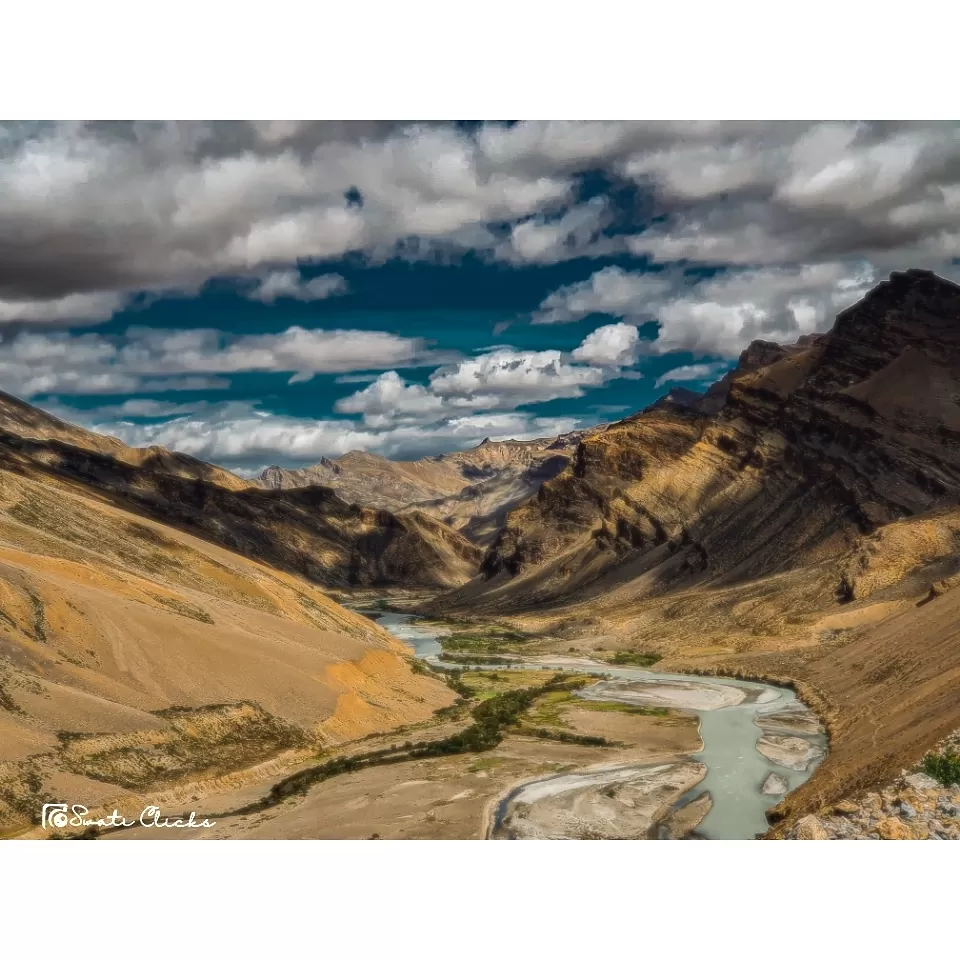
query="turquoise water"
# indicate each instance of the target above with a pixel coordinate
(728, 711)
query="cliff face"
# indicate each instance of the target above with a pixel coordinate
(809, 471)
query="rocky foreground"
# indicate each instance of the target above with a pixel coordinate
(913, 807)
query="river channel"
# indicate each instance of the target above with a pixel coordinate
(759, 741)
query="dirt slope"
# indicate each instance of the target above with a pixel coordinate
(134, 655)
(309, 531)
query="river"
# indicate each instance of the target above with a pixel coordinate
(738, 719)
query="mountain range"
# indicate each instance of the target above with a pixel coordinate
(162, 618)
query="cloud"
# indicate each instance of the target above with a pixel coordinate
(59, 362)
(612, 290)
(389, 399)
(251, 442)
(578, 232)
(288, 283)
(502, 378)
(692, 372)
(718, 316)
(73, 307)
(92, 212)
(93, 207)
(792, 193)
(515, 376)
(615, 345)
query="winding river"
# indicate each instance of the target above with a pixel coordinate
(759, 741)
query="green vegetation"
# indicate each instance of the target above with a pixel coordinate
(549, 709)
(630, 658)
(485, 763)
(563, 737)
(613, 706)
(473, 659)
(944, 767)
(491, 717)
(480, 645)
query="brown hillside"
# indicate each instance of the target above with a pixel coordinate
(134, 656)
(309, 531)
(469, 490)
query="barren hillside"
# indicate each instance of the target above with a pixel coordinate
(134, 656)
(830, 474)
(470, 490)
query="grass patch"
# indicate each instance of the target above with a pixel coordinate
(483, 643)
(548, 709)
(491, 718)
(485, 763)
(632, 658)
(943, 767)
(611, 706)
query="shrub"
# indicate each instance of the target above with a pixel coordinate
(944, 767)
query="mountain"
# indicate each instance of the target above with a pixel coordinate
(145, 645)
(469, 491)
(806, 532)
(23, 420)
(308, 531)
(759, 354)
(830, 475)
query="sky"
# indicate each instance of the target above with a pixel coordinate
(275, 292)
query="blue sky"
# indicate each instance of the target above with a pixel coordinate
(276, 292)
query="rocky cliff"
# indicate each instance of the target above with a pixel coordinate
(831, 471)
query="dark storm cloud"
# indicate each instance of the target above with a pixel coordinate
(107, 209)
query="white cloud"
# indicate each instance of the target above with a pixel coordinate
(33, 363)
(614, 345)
(88, 207)
(718, 316)
(500, 379)
(90, 211)
(249, 442)
(289, 283)
(692, 372)
(612, 291)
(388, 400)
(74, 308)
(517, 376)
(578, 232)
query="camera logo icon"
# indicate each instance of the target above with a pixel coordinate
(54, 815)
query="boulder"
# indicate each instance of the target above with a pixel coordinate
(810, 828)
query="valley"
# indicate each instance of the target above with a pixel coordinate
(733, 614)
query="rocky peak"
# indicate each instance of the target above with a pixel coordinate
(678, 397)
(272, 477)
